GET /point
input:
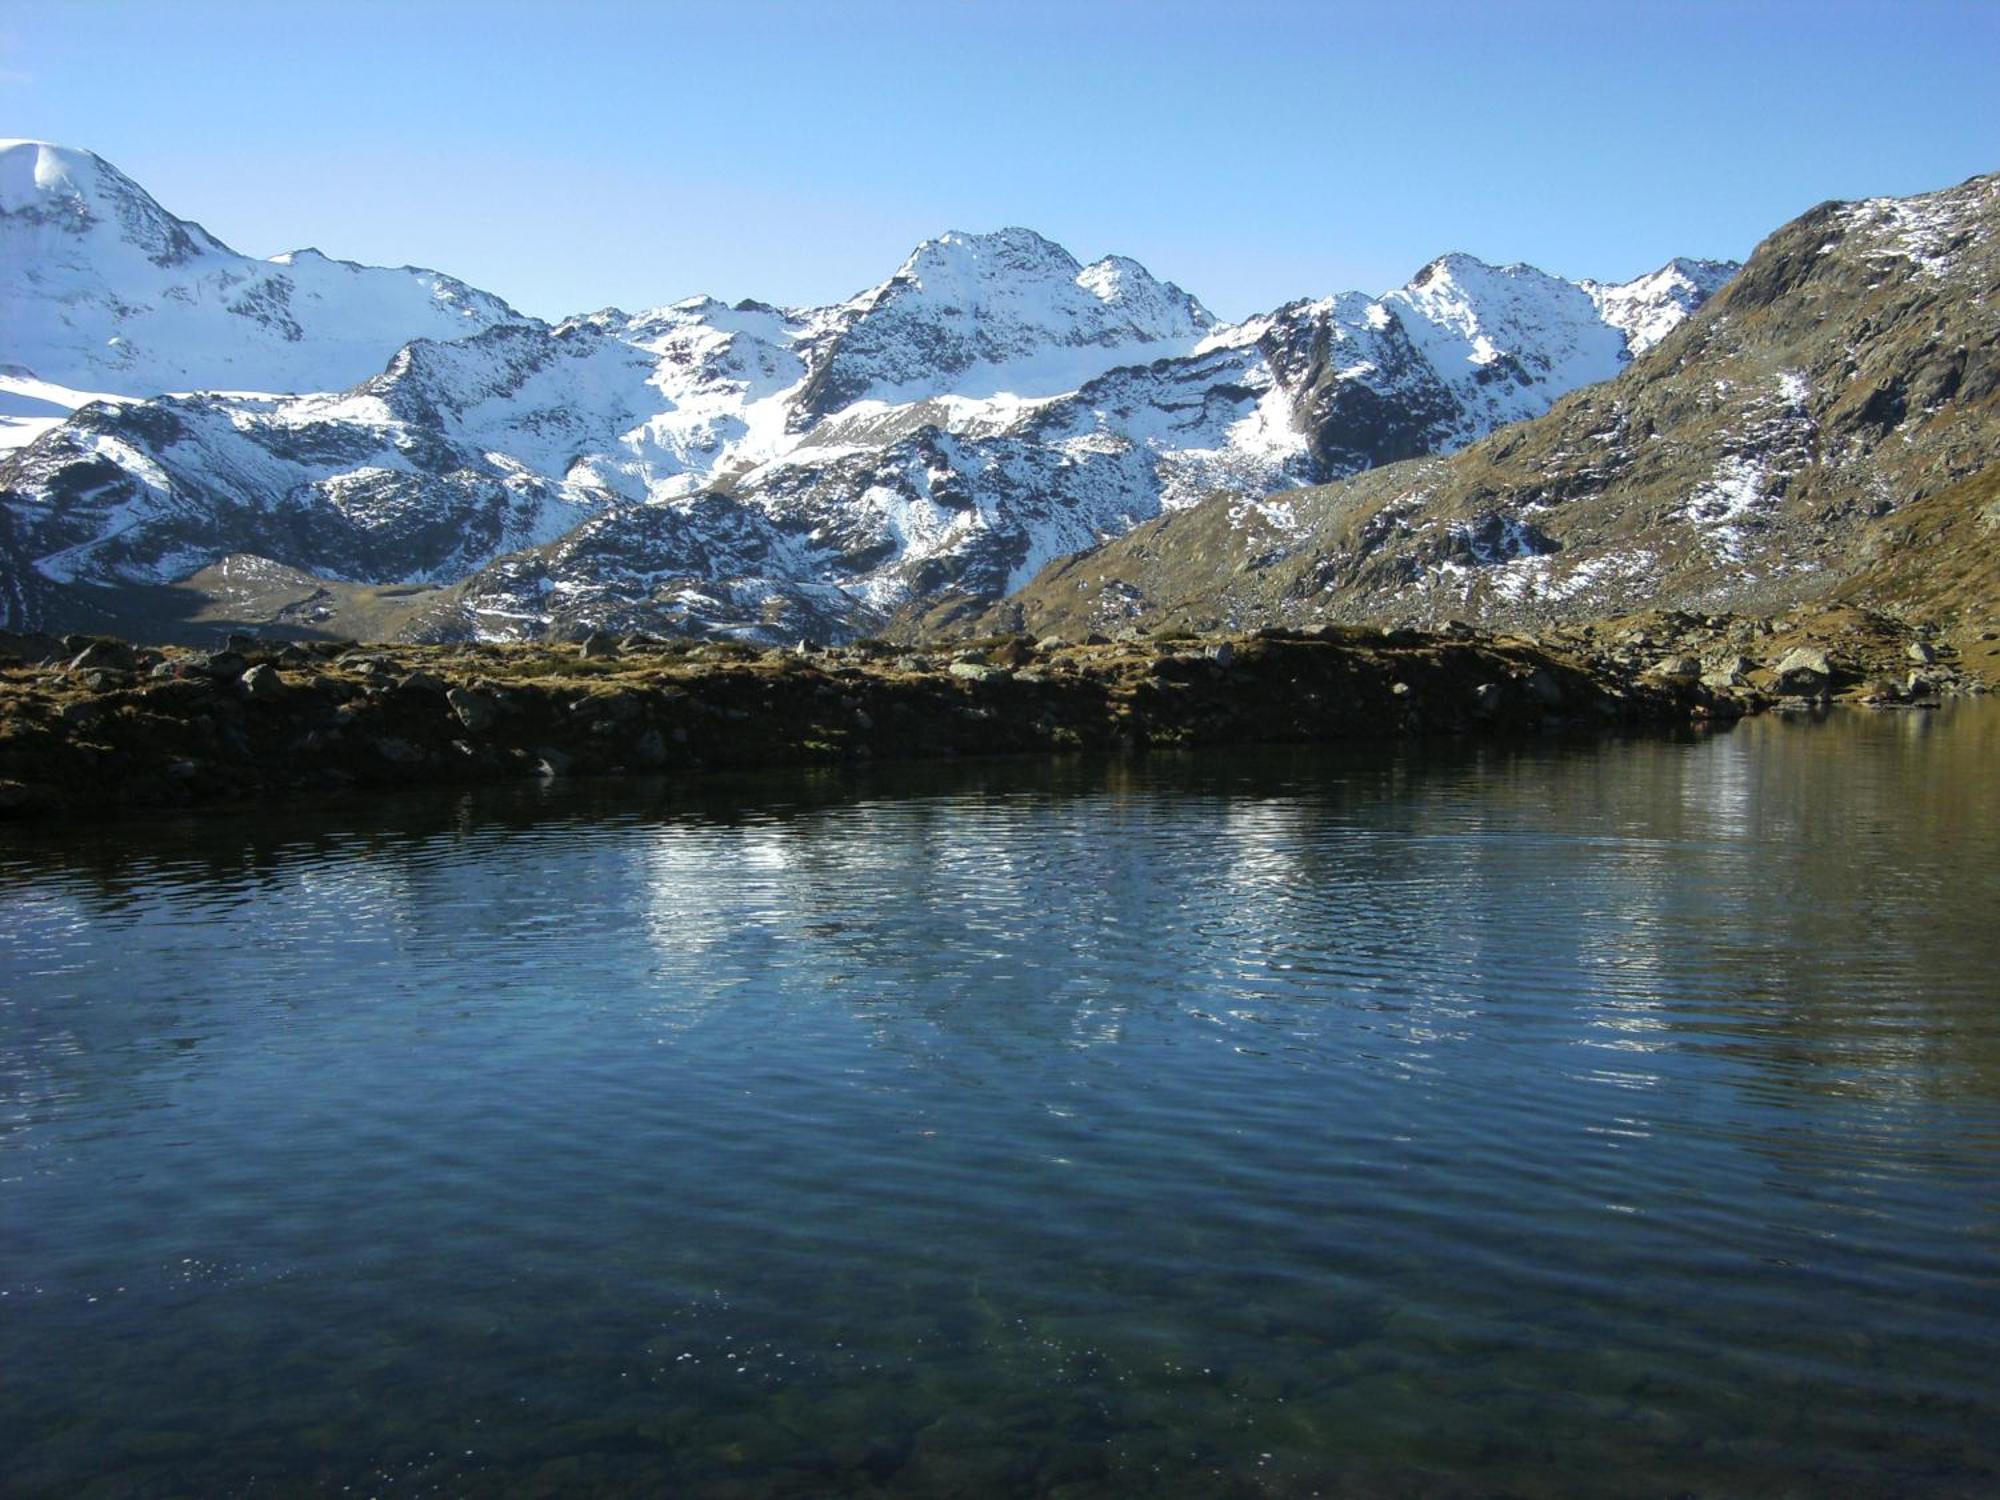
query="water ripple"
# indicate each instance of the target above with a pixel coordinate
(1552, 1120)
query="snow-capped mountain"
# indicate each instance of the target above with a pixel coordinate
(981, 315)
(106, 294)
(992, 405)
(1825, 427)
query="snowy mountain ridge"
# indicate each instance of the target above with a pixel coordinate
(991, 405)
(105, 293)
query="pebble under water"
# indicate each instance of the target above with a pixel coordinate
(1608, 1119)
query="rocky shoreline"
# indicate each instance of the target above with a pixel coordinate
(96, 725)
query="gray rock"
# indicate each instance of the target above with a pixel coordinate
(421, 682)
(1222, 654)
(978, 671)
(475, 711)
(1488, 698)
(99, 655)
(262, 683)
(1051, 643)
(1675, 669)
(1805, 670)
(610, 709)
(1921, 652)
(597, 646)
(1542, 686)
(398, 752)
(1726, 672)
(226, 666)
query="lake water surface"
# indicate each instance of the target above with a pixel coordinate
(1609, 1119)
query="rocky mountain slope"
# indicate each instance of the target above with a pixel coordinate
(105, 294)
(1827, 426)
(698, 467)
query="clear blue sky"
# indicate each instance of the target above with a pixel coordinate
(569, 156)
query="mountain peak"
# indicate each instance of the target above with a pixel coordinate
(956, 264)
(1647, 308)
(126, 298)
(1456, 267)
(29, 169)
(78, 192)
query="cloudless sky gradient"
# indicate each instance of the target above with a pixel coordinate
(570, 156)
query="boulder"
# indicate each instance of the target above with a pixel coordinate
(1012, 653)
(597, 646)
(421, 682)
(101, 655)
(262, 683)
(475, 711)
(397, 751)
(1804, 670)
(1543, 688)
(978, 671)
(1726, 672)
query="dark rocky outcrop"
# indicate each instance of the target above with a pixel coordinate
(89, 726)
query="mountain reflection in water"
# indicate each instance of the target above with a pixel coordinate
(1550, 1119)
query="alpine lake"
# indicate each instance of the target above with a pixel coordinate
(1616, 1117)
